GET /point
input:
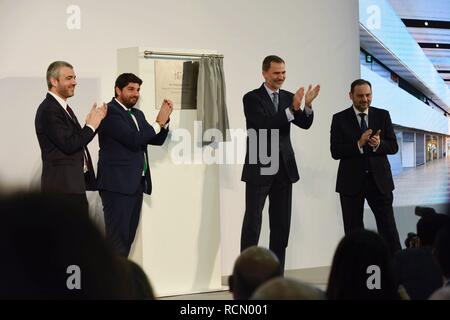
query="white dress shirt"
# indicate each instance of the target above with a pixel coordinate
(63, 104)
(366, 118)
(155, 125)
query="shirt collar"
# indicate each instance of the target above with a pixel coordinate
(357, 112)
(60, 100)
(120, 103)
(270, 91)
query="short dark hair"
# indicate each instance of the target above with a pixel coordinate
(268, 60)
(124, 79)
(429, 226)
(348, 275)
(359, 82)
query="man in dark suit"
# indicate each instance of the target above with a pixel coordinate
(66, 162)
(269, 112)
(123, 171)
(361, 137)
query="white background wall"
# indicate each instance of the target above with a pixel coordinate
(318, 39)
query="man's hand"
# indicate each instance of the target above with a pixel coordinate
(374, 141)
(165, 111)
(298, 97)
(96, 115)
(364, 138)
(311, 94)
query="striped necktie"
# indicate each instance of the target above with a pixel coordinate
(275, 101)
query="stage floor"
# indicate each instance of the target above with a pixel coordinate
(318, 277)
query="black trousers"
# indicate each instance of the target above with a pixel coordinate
(280, 197)
(381, 205)
(122, 213)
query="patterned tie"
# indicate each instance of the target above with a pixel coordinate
(87, 157)
(275, 101)
(72, 115)
(130, 112)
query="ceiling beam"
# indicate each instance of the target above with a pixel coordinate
(437, 46)
(434, 24)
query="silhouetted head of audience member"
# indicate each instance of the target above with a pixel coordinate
(428, 227)
(441, 251)
(412, 240)
(441, 294)
(253, 267)
(362, 269)
(139, 285)
(424, 211)
(52, 250)
(287, 289)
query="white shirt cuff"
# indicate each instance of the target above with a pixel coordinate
(289, 115)
(92, 128)
(156, 127)
(308, 111)
(361, 150)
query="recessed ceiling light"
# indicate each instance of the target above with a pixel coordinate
(426, 23)
(437, 45)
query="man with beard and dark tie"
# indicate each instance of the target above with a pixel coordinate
(361, 138)
(123, 166)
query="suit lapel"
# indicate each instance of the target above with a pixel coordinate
(60, 109)
(284, 100)
(372, 119)
(266, 101)
(138, 117)
(353, 121)
(75, 121)
(130, 120)
(125, 114)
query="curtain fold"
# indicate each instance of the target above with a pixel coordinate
(211, 96)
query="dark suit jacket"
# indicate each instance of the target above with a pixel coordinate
(122, 150)
(62, 142)
(260, 114)
(345, 132)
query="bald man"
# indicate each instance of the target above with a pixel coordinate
(253, 267)
(287, 289)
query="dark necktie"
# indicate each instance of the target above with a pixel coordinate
(366, 146)
(275, 101)
(86, 155)
(363, 122)
(72, 116)
(130, 112)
